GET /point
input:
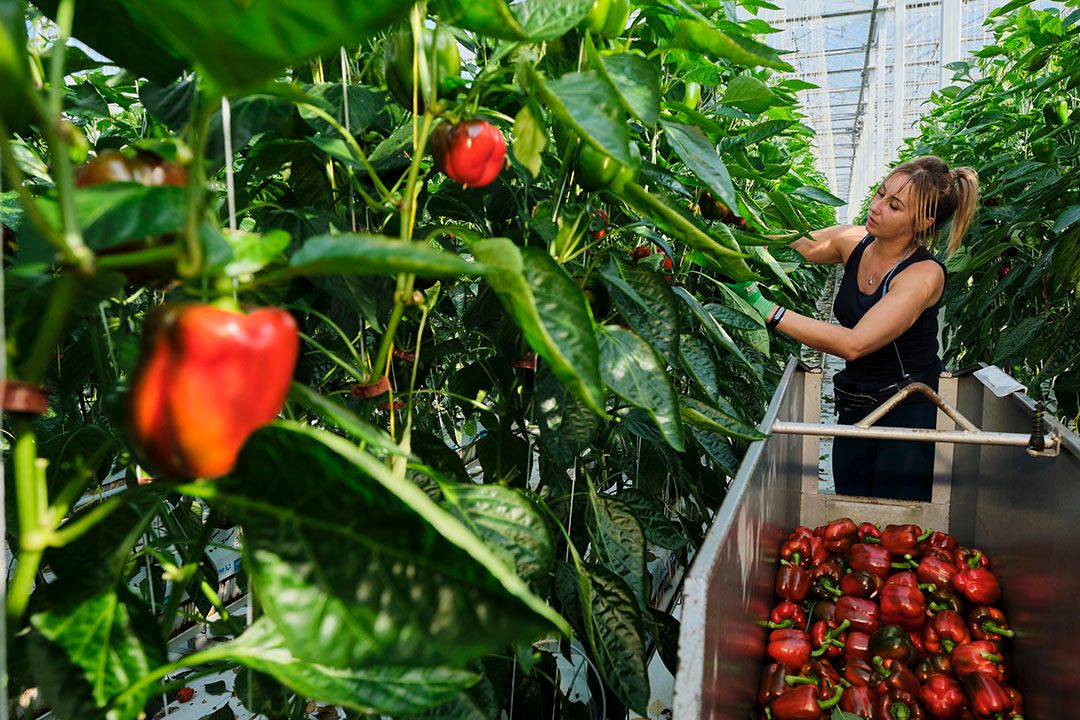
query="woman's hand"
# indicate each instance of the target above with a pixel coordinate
(751, 293)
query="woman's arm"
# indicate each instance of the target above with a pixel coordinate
(916, 289)
(830, 245)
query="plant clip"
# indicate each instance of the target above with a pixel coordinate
(20, 397)
(370, 390)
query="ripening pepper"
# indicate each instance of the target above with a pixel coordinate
(933, 664)
(898, 705)
(894, 675)
(902, 605)
(472, 152)
(787, 614)
(596, 170)
(789, 647)
(792, 582)
(979, 657)
(871, 558)
(942, 698)
(859, 700)
(607, 18)
(772, 685)
(839, 535)
(891, 642)
(861, 584)
(825, 578)
(207, 379)
(857, 645)
(978, 585)
(987, 698)
(863, 614)
(945, 631)
(860, 672)
(935, 570)
(803, 703)
(903, 540)
(441, 66)
(988, 623)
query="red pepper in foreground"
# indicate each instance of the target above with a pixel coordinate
(898, 705)
(987, 698)
(839, 535)
(988, 623)
(772, 685)
(935, 570)
(863, 614)
(978, 585)
(827, 638)
(903, 605)
(825, 578)
(207, 379)
(472, 152)
(787, 614)
(980, 657)
(871, 558)
(901, 540)
(792, 582)
(945, 631)
(943, 698)
(789, 647)
(861, 584)
(803, 703)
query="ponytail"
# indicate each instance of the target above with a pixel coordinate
(967, 198)
(940, 195)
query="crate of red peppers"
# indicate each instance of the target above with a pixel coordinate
(885, 624)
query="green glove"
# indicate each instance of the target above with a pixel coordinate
(751, 293)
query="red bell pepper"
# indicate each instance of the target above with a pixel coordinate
(979, 657)
(869, 530)
(861, 584)
(916, 639)
(823, 610)
(978, 585)
(822, 673)
(987, 699)
(825, 578)
(827, 638)
(801, 531)
(933, 664)
(787, 614)
(207, 379)
(859, 701)
(935, 570)
(941, 541)
(970, 557)
(792, 582)
(902, 605)
(863, 614)
(796, 551)
(789, 647)
(988, 623)
(891, 642)
(859, 672)
(857, 645)
(898, 705)
(772, 685)
(472, 152)
(1017, 701)
(944, 598)
(839, 535)
(903, 540)
(942, 698)
(803, 703)
(871, 558)
(818, 552)
(945, 631)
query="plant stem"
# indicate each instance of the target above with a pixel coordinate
(52, 326)
(138, 257)
(191, 260)
(30, 551)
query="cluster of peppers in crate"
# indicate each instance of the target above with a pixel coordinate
(892, 624)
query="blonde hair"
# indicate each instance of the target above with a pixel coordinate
(940, 194)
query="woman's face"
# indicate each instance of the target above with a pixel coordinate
(892, 210)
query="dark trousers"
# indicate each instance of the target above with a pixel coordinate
(896, 469)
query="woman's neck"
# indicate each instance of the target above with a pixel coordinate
(892, 249)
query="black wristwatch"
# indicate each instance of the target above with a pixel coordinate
(775, 320)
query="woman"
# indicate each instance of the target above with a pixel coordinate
(887, 306)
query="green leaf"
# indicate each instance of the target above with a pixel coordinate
(1012, 344)
(378, 689)
(699, 36)
(619, 543)
(614, 632)
(765, 130)
(766, 258)
(252, 252)
(700, 361)
(479, 702)
(749, 94)
(699, 154)
(711, 326)
(636, 80)
(359, 254)
(551, 311)
(104, 637)
(646, 302)
(251, 115)
(529, 20)
(632, 369)
(718, 448)
(816, 194)
(732, 318)
(591, 107)
(409, 585)
(530, 137)
(567, 425)
(238, 45)
(659, 530)
(509, 524)
(712, 419)
(365, 105)
(1067, 219)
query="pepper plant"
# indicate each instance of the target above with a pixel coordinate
(506, 418)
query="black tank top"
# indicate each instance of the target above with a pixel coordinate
(914, 354)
